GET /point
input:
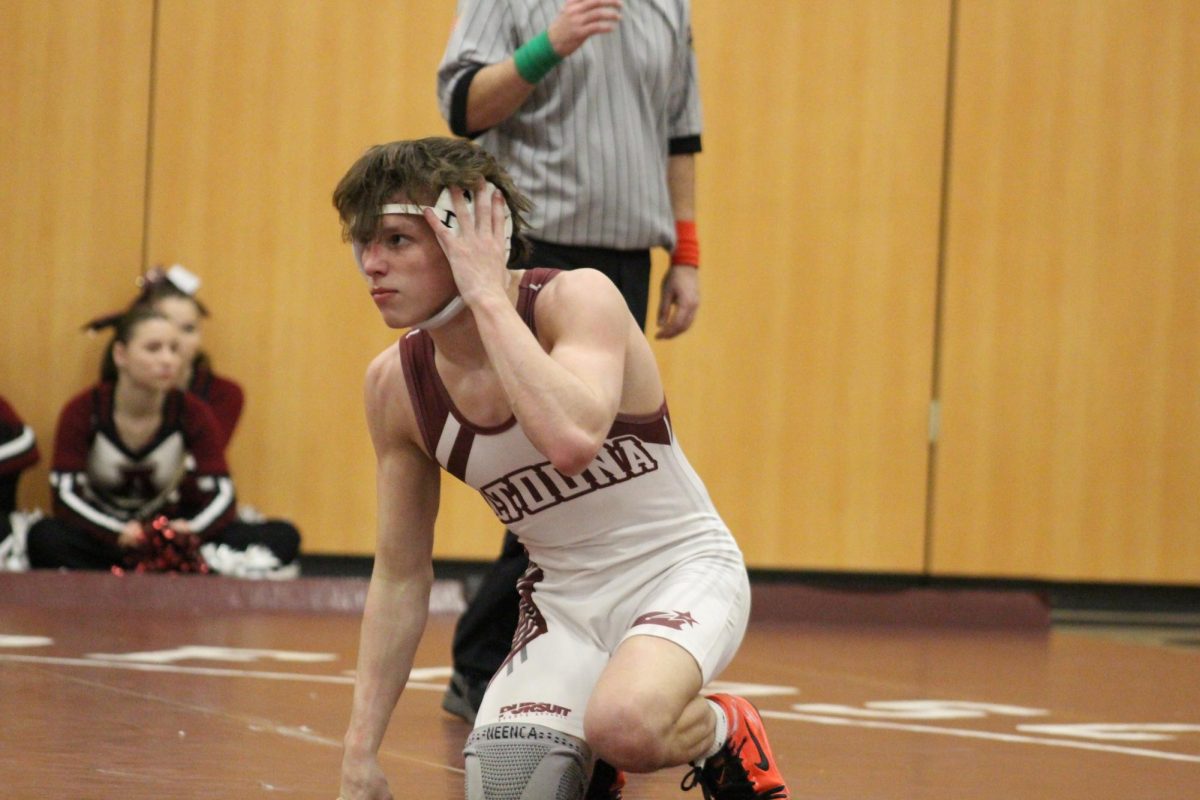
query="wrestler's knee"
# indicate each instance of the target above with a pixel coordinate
(624, 733)
(517, 761)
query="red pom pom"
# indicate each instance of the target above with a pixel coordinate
(165, 550)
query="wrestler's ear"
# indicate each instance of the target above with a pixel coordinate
(444, 208)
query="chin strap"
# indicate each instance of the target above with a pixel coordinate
(448, 312)
(451, 309)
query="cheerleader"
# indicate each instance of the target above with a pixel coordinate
(172, 292)
(135, 448)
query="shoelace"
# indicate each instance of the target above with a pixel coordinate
(696, 774)
(733, 783)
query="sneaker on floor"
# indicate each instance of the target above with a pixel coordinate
(462, 697)
(607, 782)
(744, 768)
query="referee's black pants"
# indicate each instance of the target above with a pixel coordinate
(484, 632)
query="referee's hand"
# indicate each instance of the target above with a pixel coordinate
(579, 20)
(679, 302)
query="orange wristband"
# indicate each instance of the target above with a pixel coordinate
(687, 246)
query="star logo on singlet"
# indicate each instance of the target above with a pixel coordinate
(668, 619)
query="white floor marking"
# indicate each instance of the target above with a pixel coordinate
(303, 732)
(923, 708)
(920, 709)
(969, 734)
(425, 673)
(215, 672)
(1116, 731)
(195, 652)
(25, 641)
(749, 689)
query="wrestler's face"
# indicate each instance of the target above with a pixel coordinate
(185, 315)
(407, 273)
(150, 359)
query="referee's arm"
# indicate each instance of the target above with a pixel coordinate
(483, 97)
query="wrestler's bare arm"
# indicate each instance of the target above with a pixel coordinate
(566, 396)
(407, 485)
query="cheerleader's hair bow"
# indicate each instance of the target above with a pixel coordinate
(153, 285)
(177, 275)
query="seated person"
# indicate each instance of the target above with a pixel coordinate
(134, 448)
(172, 292)
(18, 451)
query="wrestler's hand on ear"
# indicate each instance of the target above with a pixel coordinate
(477, 246)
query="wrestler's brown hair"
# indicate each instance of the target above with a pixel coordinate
(419, 169)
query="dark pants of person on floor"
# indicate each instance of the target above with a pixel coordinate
(55, 544)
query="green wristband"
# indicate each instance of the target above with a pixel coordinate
(536, 57)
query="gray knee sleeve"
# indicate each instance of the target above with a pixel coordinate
(518, 761)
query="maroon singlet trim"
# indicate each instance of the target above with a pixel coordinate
(531, 283)
(432, 401)
(416, 355)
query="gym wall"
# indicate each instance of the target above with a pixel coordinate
(986, 203)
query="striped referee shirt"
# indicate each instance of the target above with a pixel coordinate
(590, 145)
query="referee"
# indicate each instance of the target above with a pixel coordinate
(593, 108)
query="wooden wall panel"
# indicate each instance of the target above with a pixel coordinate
(1070, 365)
(801, 396)
(259, 109)
(74, 87)
(1071, 383)
(248, 147)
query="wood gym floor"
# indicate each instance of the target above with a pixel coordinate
(200, 687)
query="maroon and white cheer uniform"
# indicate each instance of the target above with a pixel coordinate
(100, 484)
